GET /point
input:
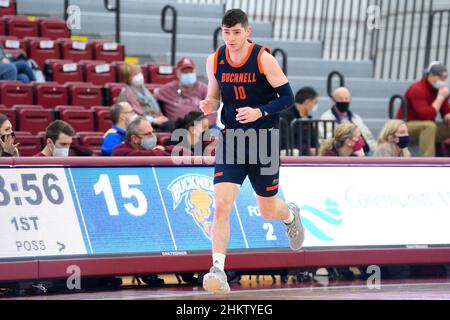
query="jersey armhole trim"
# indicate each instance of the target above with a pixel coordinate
(216, 58)
(260, 66)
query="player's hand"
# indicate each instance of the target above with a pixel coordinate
(247, 114)
(209, 105)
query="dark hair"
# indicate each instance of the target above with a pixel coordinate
(114, 112)
(56, 127)
(189, 119)
(3, 118)
(305, 93)
(234, 16)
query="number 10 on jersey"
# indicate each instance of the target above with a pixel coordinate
(240, 93)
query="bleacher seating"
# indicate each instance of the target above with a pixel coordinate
(41, 49)
(29, 144)
(102, 118)
(85, 94)
(15, 93)
(53, 28)
(108, 51)
(99, 72)
(50, 94)
(21, 26)
(63, 71)
(33, 119)
(79, 119)
(75, 50)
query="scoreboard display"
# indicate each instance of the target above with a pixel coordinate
(87, 211)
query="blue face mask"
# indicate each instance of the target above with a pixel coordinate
(403, 142)
(188, 79)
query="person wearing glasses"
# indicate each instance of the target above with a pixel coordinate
(140, 141)
(122, 114)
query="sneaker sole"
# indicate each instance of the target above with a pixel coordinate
(215, 285)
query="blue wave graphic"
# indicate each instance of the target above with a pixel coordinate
(332, 209)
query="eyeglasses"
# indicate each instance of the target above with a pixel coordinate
(126, 112)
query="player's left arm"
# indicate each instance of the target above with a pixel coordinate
(278, 80)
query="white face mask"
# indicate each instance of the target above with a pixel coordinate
(148, 143)
(315, 108)
(438, 84)
(138, 80)
(60, 152)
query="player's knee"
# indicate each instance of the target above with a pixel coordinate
(223, 208)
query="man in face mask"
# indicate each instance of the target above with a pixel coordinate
(183, 95)
(140, 141)
(306, 103)
(425, 99)
(58, 137)
(340, 112)
(122, 114)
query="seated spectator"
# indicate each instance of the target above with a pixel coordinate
(58, 137)
(340, 112)
(184, 94)
(141, 141)
(425, 99)
(140, 98)
(305, 103)
(347, 142)
(16, 70)
(122, 113)
(7, 146)
(393, 140)
(194, 134)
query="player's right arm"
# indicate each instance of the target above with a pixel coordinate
(212, 101)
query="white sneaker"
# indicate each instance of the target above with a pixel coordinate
(216, 281)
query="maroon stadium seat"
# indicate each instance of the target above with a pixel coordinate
(63, 71)
(15, 93)
(53, 28)
(41, 49)
(102, 118)
(21, 26)
(99, 72)
(161, 74)
(12, 42)
(79, 119)
(113, 90)
(18, 107)
(108, 51)
(7, 8)
(50, 95)
(29, 144)
(75, 50)
(85, 94)
(11, 114)
(91, 140)
(34, 120)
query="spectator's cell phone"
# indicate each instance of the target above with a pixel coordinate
(12, 134)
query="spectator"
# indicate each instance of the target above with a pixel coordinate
(122, 113)
(16, 70)
(341, 113)
(347, 142)
(194, 135)
(393, 140)
(7, 146)
(183, 95)
(425, 99)
(58, 137)
(306, 100)
(138, 96)
(141, 141)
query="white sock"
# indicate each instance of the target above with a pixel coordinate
(219, 260)
(290, 219)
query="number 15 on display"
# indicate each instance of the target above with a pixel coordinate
(128, 191)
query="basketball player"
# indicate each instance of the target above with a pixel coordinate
(254, 90)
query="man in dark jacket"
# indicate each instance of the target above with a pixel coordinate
(305, 103)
